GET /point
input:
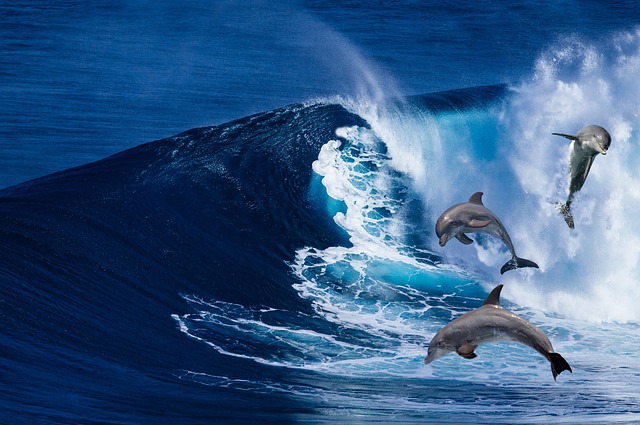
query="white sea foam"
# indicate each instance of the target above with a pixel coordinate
(355, 175)
(592, 272)
(380, 300)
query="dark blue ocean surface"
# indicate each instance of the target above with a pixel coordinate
(80, 81)
(271, 256)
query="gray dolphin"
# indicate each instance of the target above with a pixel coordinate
(589, 142)
(473, 216)
(492, 323)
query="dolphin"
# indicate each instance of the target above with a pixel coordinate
(589, 142)
(492, 323)
(473, 216)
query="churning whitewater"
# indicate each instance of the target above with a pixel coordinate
(392, 288)
(382, 296)
(286, 267)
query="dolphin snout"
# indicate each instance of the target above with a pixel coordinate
(431, 356)
(434, 354)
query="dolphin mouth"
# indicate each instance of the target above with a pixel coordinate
(434, 355)
(430, 357)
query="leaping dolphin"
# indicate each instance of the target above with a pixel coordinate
(492, 323)
(473, 216)
(589, 142)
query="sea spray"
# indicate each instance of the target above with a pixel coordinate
(592, 272)
(505, 148)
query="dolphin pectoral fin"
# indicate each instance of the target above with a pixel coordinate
(466, 351)
(587, 167)
(566, 136)
(477, 223)
(517, 263)
(464, 238)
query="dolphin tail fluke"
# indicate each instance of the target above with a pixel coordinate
(565, 209)
(558, 364)
(517, 263)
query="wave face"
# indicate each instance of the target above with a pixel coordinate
(284, 267)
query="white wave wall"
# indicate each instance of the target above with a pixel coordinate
(592, 272)
(507, 151)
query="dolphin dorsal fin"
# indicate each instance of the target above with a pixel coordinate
(494, 296)
(476, 198)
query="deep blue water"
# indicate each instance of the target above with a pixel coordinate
(271, 256)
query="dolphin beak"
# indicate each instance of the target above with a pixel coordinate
(430, 357)
(443, 240)
(433, 355)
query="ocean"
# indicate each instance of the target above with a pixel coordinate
(224, 211)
